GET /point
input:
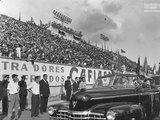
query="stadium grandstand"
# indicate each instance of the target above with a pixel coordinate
(40, 43)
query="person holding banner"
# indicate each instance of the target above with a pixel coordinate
(68, 88)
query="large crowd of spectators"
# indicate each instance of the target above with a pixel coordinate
(38, 44)
(67, 29)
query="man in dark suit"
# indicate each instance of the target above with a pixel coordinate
(4, 94)
(68, 88)
(22, 92)
(1, 90)
(44, 93)
(75, 85)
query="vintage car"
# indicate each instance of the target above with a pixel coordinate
(115, 101)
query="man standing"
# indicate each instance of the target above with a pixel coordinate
(34, 89)
(75, 85)
(13, 96)
(44, 92)
(82, 84)
(1, 90)
(68, 88)
(22, 92)
(5, 97)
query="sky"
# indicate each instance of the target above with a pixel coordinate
(125, 22)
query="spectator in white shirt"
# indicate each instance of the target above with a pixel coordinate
(34, 89)
(82, 84)
(18, 50)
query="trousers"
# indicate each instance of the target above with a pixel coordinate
(44, 102)
(14, 103)
(34, 105)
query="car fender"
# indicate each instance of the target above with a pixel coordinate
(125, 110)
(129, 111)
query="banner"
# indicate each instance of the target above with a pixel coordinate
(57, 73)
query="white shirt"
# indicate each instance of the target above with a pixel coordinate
(13, 87)
(82, 85)
(34, 87)
(45, 81)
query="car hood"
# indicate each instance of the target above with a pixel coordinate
(102, 108)
(105, 92)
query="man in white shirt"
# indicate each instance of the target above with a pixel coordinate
(82, 84)
(34, 89)
(13, 96)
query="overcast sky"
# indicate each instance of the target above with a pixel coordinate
(123, 21)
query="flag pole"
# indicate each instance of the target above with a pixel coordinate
(117, 66)
(19, 15)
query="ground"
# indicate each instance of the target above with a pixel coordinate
(26, 115)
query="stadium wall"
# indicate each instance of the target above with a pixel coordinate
(57, 73)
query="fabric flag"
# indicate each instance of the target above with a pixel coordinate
(40, 23)
(154, 69)
(103, 37)
(122, 51)
(32, 21)
(145, 66)
(138, 67)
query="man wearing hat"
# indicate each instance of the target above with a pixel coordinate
(22, 92)
(4, 94)
(13, 96)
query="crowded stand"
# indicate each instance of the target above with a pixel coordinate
(36, 43)
(67, 29)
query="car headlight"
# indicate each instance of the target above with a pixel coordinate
(51, 110)
(111, 115)
(85, 98)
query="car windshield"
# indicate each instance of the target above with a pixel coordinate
(117, 80)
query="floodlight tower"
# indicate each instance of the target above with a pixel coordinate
(61, 17)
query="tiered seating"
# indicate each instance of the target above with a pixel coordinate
(37, 43)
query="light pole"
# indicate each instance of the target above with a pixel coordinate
(105, 39)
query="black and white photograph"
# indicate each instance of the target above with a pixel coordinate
(79, 60)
